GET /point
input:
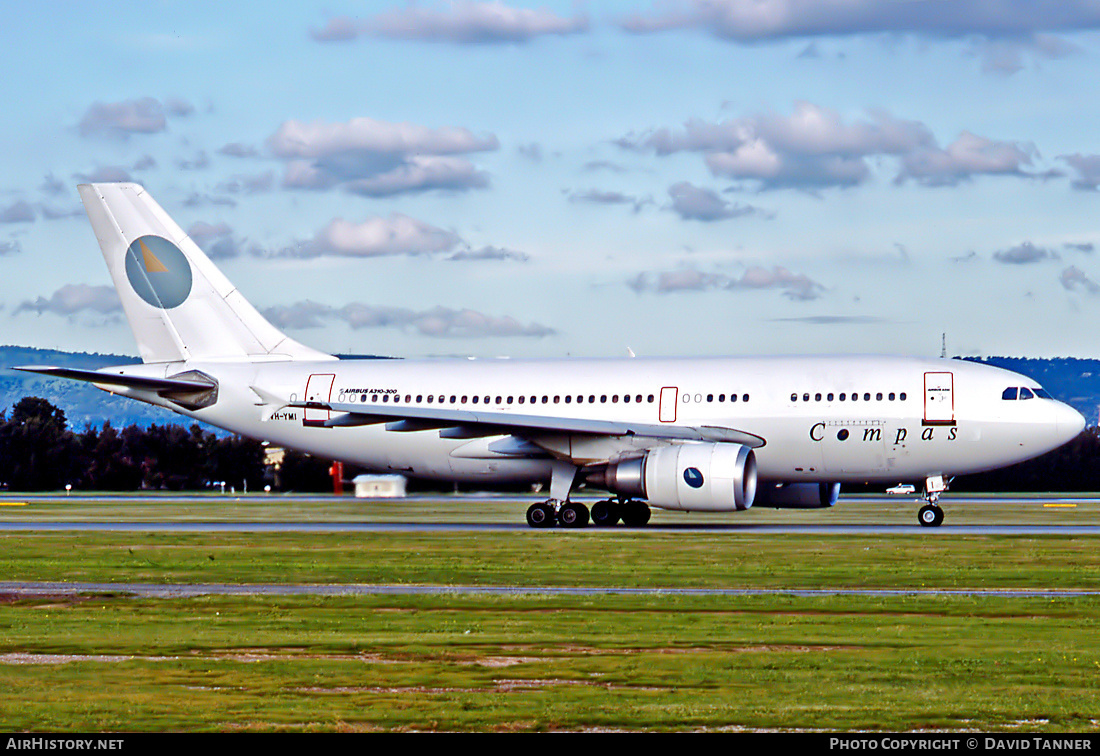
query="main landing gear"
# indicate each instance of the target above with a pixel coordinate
(559, 510)
(573, 514)
(568, 514)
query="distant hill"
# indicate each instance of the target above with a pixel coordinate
(83, 404)
(1074, 381)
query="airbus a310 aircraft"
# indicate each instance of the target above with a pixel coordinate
(711, 435)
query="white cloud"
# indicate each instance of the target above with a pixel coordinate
(1073, 277)
(72, 299)
(17, 212)
(1024, 253)
(121, 119)
(792, 285)
(458, 21)
(437, 322)
(695, 203)
(815, 148)
(397, 234)
(377, 158)
(1088, 171)
(761, 20)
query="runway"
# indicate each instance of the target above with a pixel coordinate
(967, 515)
(973, 516)
(461, 527)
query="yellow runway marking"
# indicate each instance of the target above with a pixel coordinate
(13, 503)
(1060, 506)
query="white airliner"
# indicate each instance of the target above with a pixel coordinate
(711, 435)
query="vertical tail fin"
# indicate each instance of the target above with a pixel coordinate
(179, 305)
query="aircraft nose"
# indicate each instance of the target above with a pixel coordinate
(1070, 422)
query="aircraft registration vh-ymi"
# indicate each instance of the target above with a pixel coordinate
(709, 435)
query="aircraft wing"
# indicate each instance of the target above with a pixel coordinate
(464, 423)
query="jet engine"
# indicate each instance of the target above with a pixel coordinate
(797, 495)
(713, 477)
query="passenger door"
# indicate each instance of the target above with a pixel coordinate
(939, 399)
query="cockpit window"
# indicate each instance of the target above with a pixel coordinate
(1009, 393)
(1025, 393)
(1042, 393)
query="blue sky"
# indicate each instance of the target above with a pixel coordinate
(571, 178)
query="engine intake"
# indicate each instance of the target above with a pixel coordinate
(710, 477)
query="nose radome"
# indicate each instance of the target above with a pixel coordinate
(1070, 421)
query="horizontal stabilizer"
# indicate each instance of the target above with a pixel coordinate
(125, 381)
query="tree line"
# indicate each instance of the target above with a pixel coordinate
(38, 452)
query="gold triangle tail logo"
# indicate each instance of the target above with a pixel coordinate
(152, 264)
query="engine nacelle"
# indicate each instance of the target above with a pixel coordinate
(711, 477)
(797, 495)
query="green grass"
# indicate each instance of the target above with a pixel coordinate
(535, 662)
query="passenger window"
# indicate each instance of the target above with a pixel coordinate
(744, 397)
(1009, 393)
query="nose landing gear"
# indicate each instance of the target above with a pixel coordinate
(930, 515)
